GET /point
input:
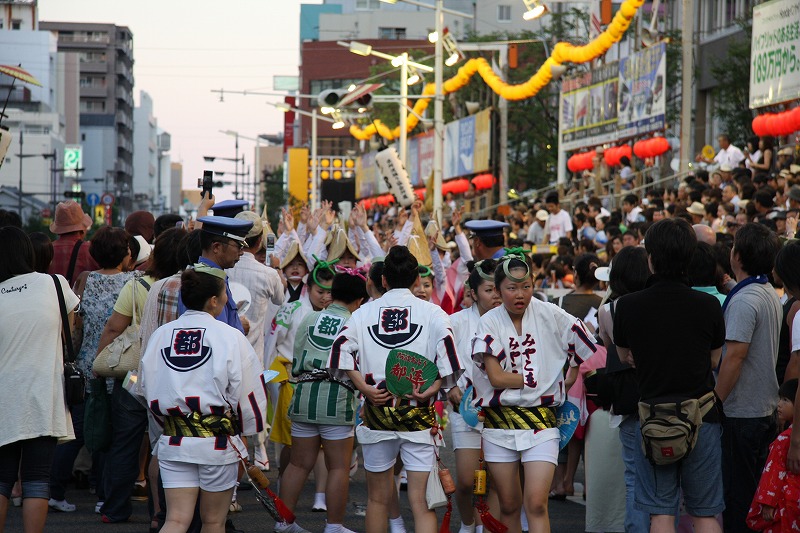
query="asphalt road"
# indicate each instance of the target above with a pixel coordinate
(567, 516)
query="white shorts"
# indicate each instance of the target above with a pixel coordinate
(464, 437)
(326, 431)
(546, 451)
(210, 478)
(381, 456)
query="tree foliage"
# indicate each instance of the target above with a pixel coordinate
(732, 95)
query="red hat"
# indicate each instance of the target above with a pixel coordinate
(70, 217)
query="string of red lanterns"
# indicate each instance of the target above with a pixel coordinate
(777, 124)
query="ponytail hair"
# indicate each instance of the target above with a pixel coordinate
(585, 265)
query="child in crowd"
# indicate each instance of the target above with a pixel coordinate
(776, 505)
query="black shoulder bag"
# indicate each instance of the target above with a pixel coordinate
(73, 260)
(74, 380)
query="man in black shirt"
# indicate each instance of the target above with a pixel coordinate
(674, 335)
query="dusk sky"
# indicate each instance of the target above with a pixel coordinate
(185, 48)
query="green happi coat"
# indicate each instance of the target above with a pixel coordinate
(320, 402)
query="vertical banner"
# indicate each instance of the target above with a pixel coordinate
(775, 53)
(288, 124)
(589, 107)
(642, 91)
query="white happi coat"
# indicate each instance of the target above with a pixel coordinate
(197, 363)
(465, 325)
(550, 338)
(398, 319)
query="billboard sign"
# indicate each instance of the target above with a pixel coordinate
(589, 107)
(642, 91)
(775, 53)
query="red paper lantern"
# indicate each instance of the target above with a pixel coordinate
(640, 148)
(795, 118)
(460, 186)
(658, 146)
(484, 181)
(759, 125)
(420, 193)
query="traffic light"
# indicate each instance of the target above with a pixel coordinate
(331, 99)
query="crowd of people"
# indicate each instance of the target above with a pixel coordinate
(350, 331)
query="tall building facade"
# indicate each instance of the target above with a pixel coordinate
(106, 104)
(35, 116)
(145, 154)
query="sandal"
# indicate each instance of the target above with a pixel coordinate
(556, 496)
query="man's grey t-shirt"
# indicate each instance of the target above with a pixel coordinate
(754, 316)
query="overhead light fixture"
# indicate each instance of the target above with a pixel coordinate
(327, 110)
(389, 1)
(339, 124)
(397, 61)
(283, 106)
(433, 37)
(454, 54)
(360, 48)
(414, 78)
(557, 71)
(352, 87)
(535, 9)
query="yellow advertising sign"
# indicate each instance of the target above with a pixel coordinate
(298, 173)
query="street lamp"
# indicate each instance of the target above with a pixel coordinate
(236, 160)
(438, 121)
(403, 63)
(535, 9)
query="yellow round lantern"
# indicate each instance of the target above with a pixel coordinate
(325, 174)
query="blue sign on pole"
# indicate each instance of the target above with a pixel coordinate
(93, 199)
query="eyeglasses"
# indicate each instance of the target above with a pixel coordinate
(241, 244)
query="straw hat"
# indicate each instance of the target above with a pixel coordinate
(258, 225)
(337, 242)
(294, 250)
(70, 217)
(696, 209)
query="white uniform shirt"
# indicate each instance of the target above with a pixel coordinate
(550, 338)
(264, 284)
(197, 363)
(731, 156)
(396, 320)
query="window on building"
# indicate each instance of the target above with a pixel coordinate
(93, 106)
(503, 13)
(368, 4)
(97, 82)
(392, 33)
(92, 57)
(16, 24)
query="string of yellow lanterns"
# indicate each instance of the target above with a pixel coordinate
(562, 53)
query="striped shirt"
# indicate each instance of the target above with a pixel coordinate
(320, 402)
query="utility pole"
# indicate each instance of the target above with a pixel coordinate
(687, 67)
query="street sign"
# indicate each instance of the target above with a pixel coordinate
(93, 199)
(73, 160)
(107, 199)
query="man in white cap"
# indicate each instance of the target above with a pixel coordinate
(537, 231)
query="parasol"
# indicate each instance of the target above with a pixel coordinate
(16, 73)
